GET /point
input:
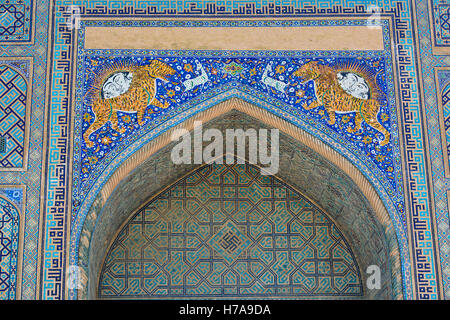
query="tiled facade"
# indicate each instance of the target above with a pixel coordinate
(64, 145)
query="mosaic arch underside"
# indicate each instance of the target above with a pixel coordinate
(227, 231)
(368, 226)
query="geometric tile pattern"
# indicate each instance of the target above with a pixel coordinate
(9, 239)
(444, 21)
(2, 144)
(446, 114)
(442, 82)
(228, 231)
(16, 21)
(13, 99)
(19, 50)
(442, 77)
(441, 20)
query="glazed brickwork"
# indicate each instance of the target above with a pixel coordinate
(64, 143)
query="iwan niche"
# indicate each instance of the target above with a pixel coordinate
(228, 231)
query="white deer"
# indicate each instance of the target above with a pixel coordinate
(271, 82)
(197, 81)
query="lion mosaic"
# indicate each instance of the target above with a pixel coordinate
(343, 92)
(131, 90)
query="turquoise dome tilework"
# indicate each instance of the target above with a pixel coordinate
(227, 231)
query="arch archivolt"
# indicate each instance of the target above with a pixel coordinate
(93, 233)
(16, 251)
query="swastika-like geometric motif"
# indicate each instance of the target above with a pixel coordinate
(16, 21)
(9, 239)
(227, 231)
(229, 242)
(13, 99)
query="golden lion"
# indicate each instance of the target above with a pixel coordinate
(330, 94)
(130, 90)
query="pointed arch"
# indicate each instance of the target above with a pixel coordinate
(266, 238)
(90, 231)
(10, 246)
